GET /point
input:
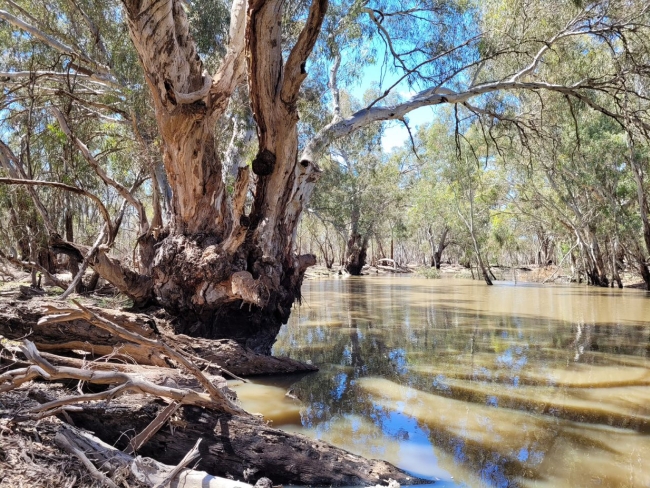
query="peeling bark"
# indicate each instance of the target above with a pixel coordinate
(134, 285)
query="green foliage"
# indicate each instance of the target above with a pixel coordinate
(429, 273)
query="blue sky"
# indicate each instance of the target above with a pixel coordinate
(395, 133)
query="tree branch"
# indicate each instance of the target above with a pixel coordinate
(232, 71)
(334, 88)
(294, 71)
(439, 96)
(82, 269)
(264, 46)
(63, 186)
(93, 29)
(101, 74)
(136, 286)
(124, 193)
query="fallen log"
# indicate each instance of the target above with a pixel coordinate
(119, 465)
(177, 378)
(233, 445)
(20, 319)
(37, 454)
(237, 444)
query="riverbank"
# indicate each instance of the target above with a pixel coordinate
(125, 378)
(528, 273)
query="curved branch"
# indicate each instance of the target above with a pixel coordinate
(439, 96)
(102, 74)
(389, 41)
(294, 71)
(63, 186)
(134, 285)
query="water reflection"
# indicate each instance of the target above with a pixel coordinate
(491, 386)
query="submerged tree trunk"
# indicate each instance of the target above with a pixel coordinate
(356, 249)
(436, 258)
(356, 254)
(596, 273)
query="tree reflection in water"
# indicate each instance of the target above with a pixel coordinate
(495, 386)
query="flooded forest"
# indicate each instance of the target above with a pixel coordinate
(324, 243)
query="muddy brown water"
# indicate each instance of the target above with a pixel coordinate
(469, 385)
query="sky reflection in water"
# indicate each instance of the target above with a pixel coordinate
(472, 385)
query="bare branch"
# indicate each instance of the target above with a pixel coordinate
(160, 346)
(141, 439)
(68, 444)
(440, 96)
(386, 35)
(82, 269)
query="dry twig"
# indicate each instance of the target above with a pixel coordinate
(154, 344)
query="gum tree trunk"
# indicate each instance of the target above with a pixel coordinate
(356, 249)
(436, 257)
(224, 272)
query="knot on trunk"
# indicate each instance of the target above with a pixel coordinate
(250, 290)
(264, 163)
(305, 261)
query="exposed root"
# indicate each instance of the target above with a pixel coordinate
(157, 345)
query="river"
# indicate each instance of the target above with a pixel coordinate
(469, 385)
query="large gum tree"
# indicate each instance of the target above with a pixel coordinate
(225, 264)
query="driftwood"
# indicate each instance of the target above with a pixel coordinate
(393, 270)
(120, 383)
(14, 358)
(104, 462)
(232, 445)
(19, 319)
